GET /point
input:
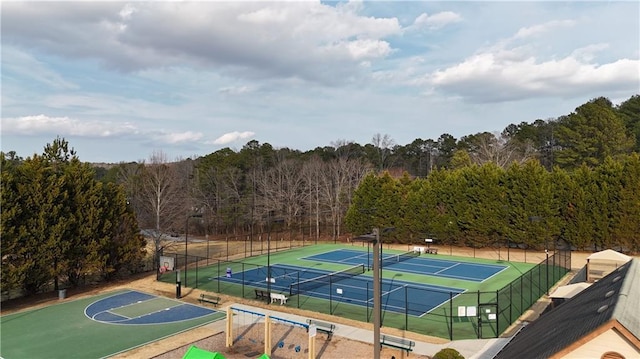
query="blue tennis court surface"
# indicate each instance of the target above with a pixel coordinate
(475, 272)
(397, 296)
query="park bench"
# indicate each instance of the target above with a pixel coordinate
(281, 297)
(262, 294)
(432, 250)
(207, 298)
(399, 343)
(324, 327)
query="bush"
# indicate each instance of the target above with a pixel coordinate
(448, 353)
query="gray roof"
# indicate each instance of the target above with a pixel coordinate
(612, 297)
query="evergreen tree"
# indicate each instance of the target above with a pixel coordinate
(57, 220)
(590, 134)
(625, 224)
(629, 112)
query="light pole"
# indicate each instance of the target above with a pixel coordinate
(377, 308)
(374, 237)
(186, 243)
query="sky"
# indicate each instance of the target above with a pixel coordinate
(122, 80)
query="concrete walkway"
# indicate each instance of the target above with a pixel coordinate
(470, 349)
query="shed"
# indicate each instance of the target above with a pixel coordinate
(566, 292)
(602, 263)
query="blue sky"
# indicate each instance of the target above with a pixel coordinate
(120, 80)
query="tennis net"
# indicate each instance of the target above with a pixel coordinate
(396, 258)
(308, 285)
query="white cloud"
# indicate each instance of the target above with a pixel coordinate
(232, 137)
(265, 16)
(273, 39)
(175, 138)
(359, 49)
(69, 127)
(237, 90)
(543, 28)
(587, 53)
(64, 126)
(504, 75)
(436, 21)
(513, 69)
(127, 11)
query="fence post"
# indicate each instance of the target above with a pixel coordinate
(531, 289)
(497, 313)
(450, 315)
(521, 297)
(406, 309)
(546, 264)
(367, 300)
(330, 295)
(478, 317)
(298, 289)
(510, 303)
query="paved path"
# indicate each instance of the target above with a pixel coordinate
(470, 349)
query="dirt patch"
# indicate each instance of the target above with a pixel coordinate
(287, 343)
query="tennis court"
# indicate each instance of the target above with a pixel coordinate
(410, 263)
(438, 285)
(348, 286)
(98, 326)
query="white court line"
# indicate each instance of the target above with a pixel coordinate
(444, 269)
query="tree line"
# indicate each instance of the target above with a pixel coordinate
(524, 205)
(568, 178)
(60, 225)
(240, 192)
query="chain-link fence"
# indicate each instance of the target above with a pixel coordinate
(455, 316)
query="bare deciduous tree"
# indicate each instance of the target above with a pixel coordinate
(159, 192)
(384, 145)
(312, 171)
(488, 147)
(338, 181)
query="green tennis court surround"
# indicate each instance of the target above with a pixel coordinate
(468, 297)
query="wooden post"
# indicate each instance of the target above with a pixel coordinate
(267, 335)
(229, 331)
(312, 341)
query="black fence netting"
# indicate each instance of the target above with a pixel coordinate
(307, 285)
(391, 259)
(467, 315)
